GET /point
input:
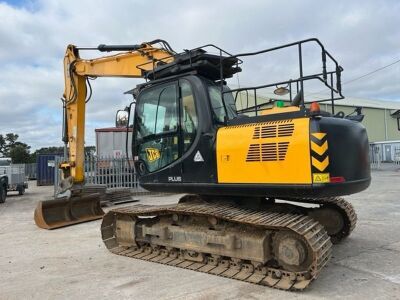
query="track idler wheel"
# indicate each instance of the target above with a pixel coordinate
(338, 218)
(291, 251)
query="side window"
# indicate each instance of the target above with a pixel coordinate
(217, 104)
(157, 127)
(188, 115)
(157, 111)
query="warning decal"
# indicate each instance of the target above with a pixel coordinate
(198, 157)
(321, 177)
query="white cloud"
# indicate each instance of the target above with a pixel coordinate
(33, 38)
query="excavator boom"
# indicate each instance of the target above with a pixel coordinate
(82, 205)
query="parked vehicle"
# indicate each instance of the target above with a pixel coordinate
(12, 178)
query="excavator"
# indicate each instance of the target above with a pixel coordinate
(262, 181)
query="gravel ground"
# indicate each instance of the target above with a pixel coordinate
(73, 263)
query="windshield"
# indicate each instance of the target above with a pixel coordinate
(218, 105)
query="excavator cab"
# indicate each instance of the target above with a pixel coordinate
(191, 133)
(175, 119)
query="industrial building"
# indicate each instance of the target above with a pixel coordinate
(382, 123)
(381, 116)
(111, 142)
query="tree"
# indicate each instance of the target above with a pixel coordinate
(11, 147)
(19, 153)
(89, 150)
(7, 143)
(3, 145)
(49, 150)
(11, 138)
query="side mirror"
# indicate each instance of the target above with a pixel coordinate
(121, 118)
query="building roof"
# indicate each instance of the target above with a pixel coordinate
(373, 103)
(387, 142)
(348, 101)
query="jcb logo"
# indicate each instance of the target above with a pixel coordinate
(152, 154)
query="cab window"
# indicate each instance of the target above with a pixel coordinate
(188, 115)
(157, 127)
(217, 103)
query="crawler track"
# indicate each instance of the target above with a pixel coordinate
(343, 207)
(123, 242)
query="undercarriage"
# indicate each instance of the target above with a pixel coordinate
(280, 245)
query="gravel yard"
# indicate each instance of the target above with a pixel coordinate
(73, 263)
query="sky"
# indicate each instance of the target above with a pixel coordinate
(361, 35)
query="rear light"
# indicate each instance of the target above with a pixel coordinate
(337, 179)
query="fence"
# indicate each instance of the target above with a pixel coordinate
(375, 156)
(112, 172)
(30, 170)
(384, 156)
(397, 155)
(109, 171)
(15, 174)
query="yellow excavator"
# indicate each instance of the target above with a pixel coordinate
(263, 179)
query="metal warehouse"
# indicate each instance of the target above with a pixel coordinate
(381, 116)
(111, 142)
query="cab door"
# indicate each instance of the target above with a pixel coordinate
(157, 132)
(175, 134)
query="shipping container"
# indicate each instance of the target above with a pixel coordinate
(46, 166)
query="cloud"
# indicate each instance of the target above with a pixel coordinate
(34, 35)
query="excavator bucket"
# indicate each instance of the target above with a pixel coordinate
(51, 214)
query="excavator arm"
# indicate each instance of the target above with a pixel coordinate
(132, 61)
(77, 71)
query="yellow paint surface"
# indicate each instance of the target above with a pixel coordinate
(233, 145)
(320, 165)
(320, 150)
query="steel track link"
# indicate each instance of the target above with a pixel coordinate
(343, 206)
(311, 232)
